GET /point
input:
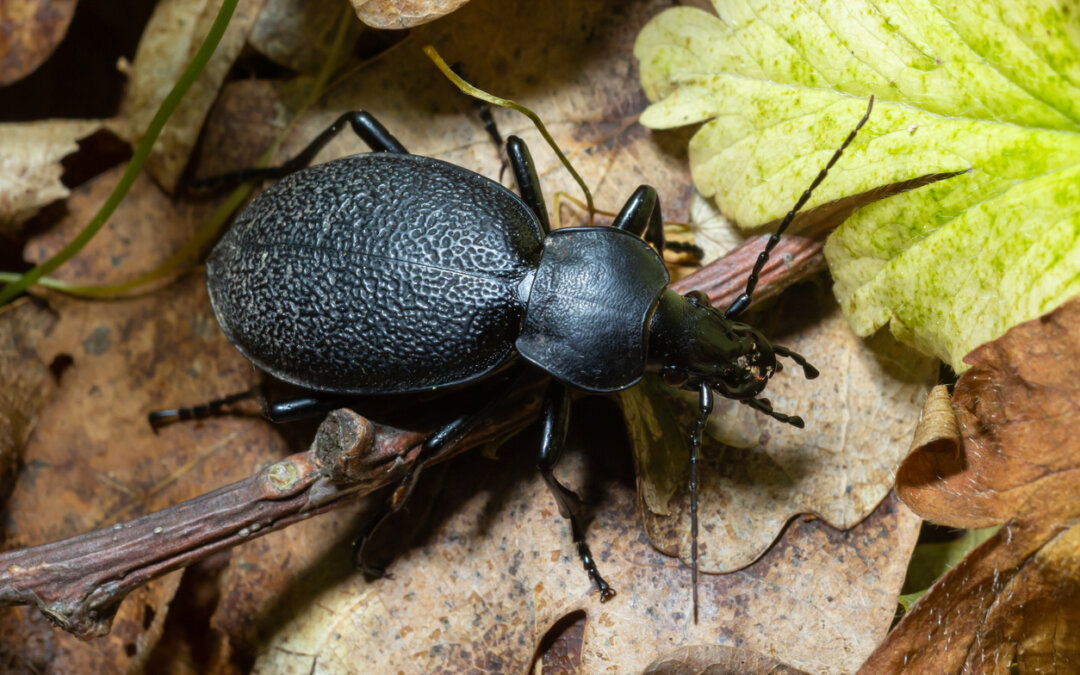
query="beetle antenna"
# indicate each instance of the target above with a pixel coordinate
(706, 402)
(743, 301)
(763, 405)
(810, 371)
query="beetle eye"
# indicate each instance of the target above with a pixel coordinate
(673, 377)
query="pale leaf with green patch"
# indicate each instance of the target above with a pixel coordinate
(989, 89)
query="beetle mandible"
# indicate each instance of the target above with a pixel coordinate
(387, 272)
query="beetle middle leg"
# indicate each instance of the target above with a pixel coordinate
(437, 444)
(555, 418)
(363, 123)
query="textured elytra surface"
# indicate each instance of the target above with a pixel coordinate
(376, 273)
(589, 307)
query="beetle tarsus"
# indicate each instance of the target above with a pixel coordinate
(161, 418)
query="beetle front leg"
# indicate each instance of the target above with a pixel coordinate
(363, 123)
(555, 418)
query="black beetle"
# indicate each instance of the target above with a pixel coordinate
(387, 273)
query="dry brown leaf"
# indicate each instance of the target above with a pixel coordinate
(30, 154)
(757, 473)
(1012, 602)
(575, 70)
(29, 32)
(497, 569)
(1017, 411)
(298, 34)
(171, 38)
(398, 14)
(93, 459)
(1012, 605)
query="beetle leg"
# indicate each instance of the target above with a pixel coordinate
(439, 443)
(528, 181)
(160, 418)
(304, 407)
(641, 216)
(555, 418)
(363, 124)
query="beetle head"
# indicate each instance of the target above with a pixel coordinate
(733, 358)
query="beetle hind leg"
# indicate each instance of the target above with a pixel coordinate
(219, 406)
(555, 418)
(363, 123)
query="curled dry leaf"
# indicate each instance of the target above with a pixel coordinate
(1012, 605)
(171, 38)
(398, 14)
(1014, 599)
(758, 473)
(29, 32)
(30, 169)
(1016, 411)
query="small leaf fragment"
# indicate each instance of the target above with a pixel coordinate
(30, 170)
(31, 30)
(400, 14)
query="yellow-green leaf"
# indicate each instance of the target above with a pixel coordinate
(990, 89)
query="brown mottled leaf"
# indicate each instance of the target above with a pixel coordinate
(497, 569)
(30, 170)
(398, 14)
(93, 459)
(173, 35)
(758, 473)
(1014, 602)
(29, 32)
(28, 384)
